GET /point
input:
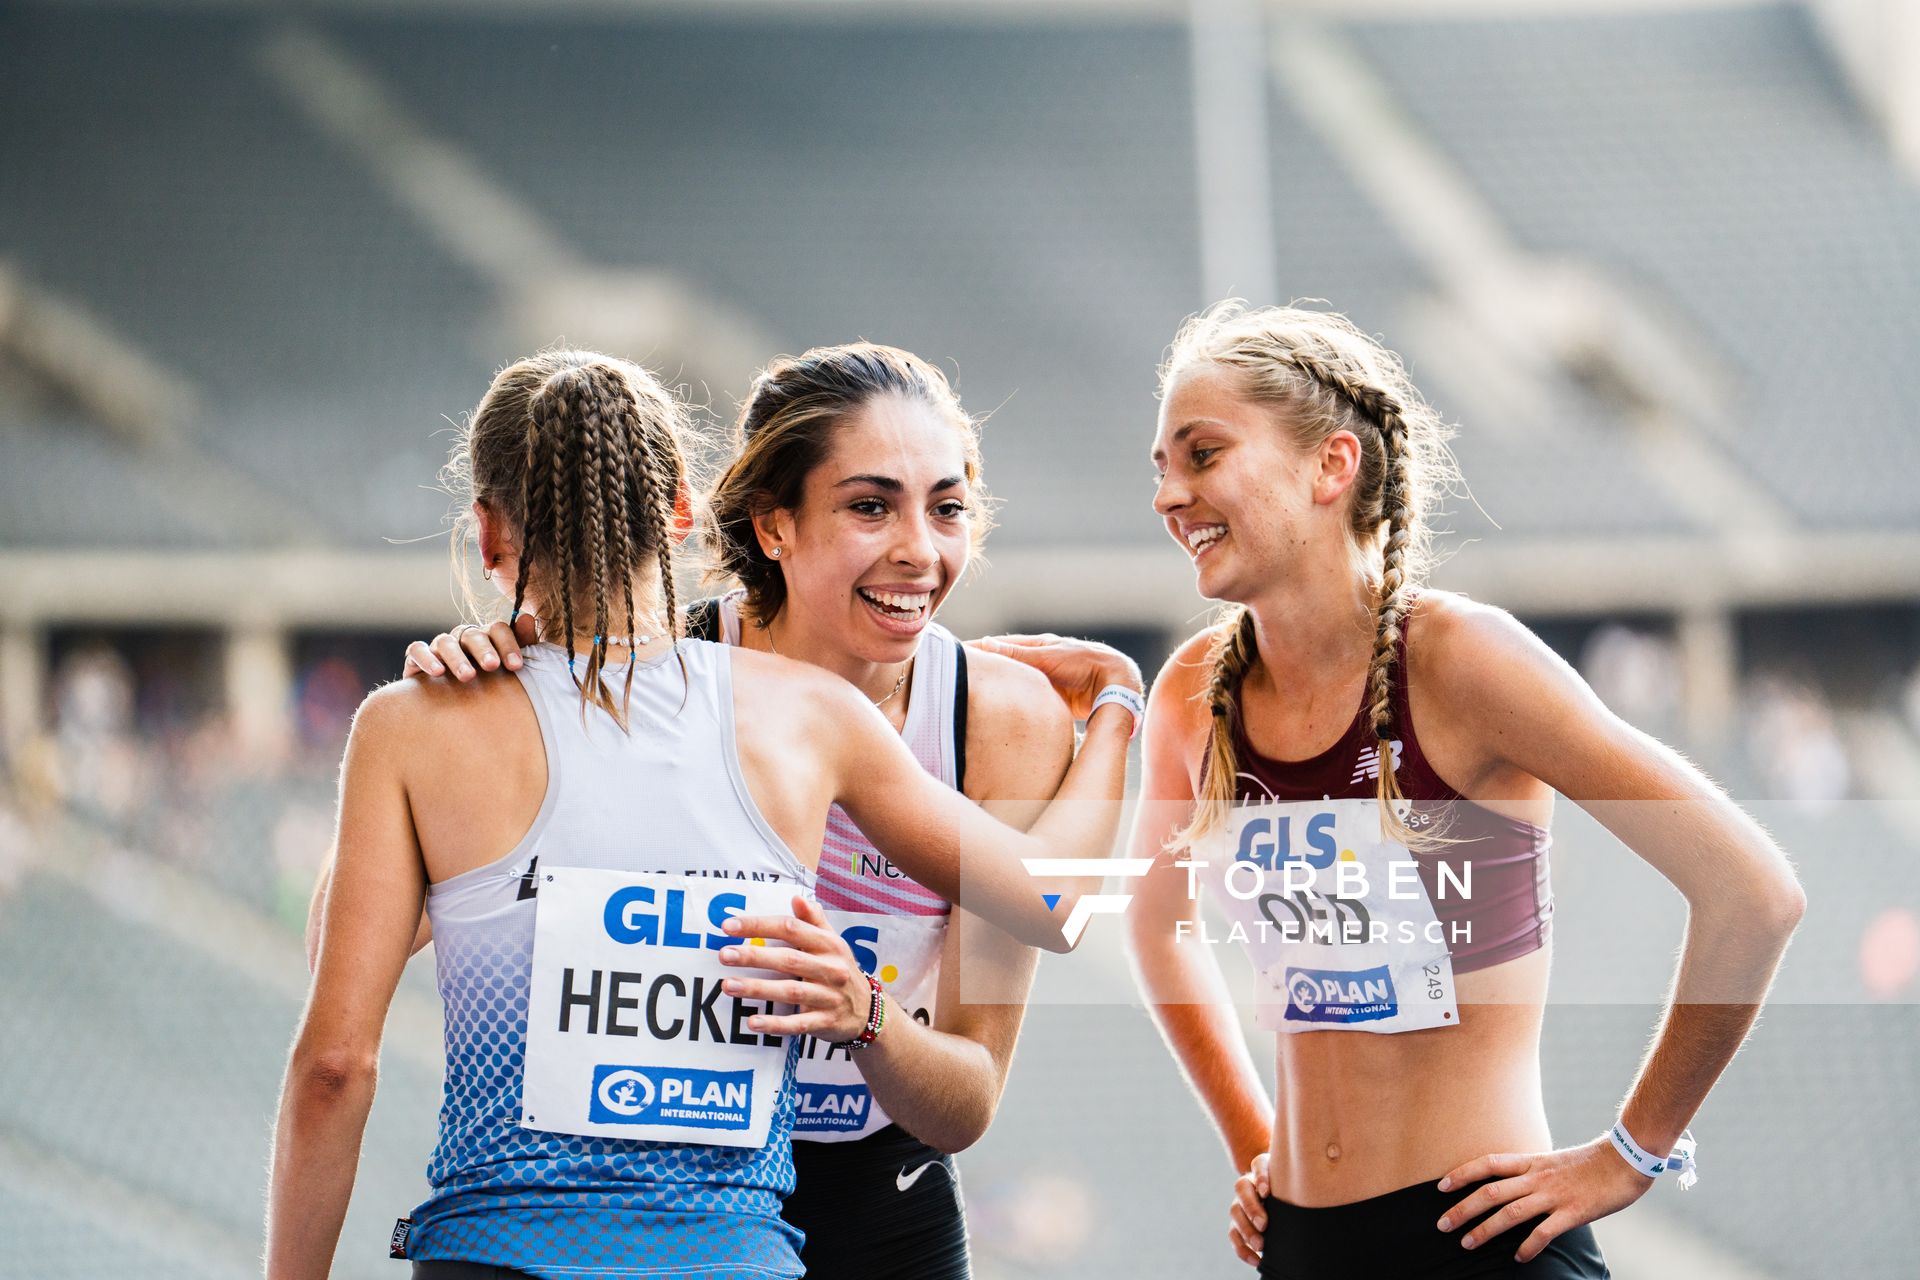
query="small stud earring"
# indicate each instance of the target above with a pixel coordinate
(775, 553)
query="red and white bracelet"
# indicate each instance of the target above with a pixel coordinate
(876, 1014)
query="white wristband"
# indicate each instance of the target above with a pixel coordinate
(1129, 698)
(1680, 1161)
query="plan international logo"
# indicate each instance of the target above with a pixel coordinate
(671, 1095)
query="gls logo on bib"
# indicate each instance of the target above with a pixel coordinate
(1340, 995)
(671, 1095)
(626, 965)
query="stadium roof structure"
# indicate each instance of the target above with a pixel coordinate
(1657, 265)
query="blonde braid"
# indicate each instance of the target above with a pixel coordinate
(661, 471)
(1396, 483)
(1235, 646)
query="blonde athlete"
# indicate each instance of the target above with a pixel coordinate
(1341, 728)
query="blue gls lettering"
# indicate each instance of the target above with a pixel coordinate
(1320, 836)
(628, 921)
(1266, 845)
(675, 933)
(1252, 852)
(723, 907)
(856, 937)
(620, 907)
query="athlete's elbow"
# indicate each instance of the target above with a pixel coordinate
(963, 1132)
(1059, 932)
(965, 1119)
(1785, 905)
(333, 1074)
(1056, 942)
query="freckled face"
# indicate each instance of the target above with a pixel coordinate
(883, 530)
(1231, 491)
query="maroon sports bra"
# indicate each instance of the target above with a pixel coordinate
(1511, 909)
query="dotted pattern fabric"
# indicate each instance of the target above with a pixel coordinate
(560, 1205)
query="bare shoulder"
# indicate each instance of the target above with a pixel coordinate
(409, 714)
(1488, 693)
(397, 711)
(792, 693)
(1179, 687)
(1008, 698)
(1462, 648)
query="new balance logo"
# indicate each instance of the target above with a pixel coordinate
(1089, 905)
(1367, 768)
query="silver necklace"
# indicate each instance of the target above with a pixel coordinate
(879, 702)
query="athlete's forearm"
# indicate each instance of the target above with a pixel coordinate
(940, 1087)
(1207, 1043)
(316, 1151)
(1194, 1011)
(1732, 951)
(953, 847)
(1081, 823)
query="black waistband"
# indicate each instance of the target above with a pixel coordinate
(1396, 1235)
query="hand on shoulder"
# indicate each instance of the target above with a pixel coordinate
(1019, 731)
(1010, 699)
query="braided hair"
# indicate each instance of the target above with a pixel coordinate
(580, 454)
(1322, 374)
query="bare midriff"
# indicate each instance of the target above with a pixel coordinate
(1359, 1114)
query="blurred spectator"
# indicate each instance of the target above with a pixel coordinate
(15, 848)
(100, 764)
(1910, 701)
(329, 694)
(1795, 744)
(301, 840)
(1636, 673)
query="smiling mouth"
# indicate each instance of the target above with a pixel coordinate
(896, 606)
(1204, 539)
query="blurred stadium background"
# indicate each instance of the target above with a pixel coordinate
(1660, 260)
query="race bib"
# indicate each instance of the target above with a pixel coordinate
(629, 1033)
(835, 1104)
(1337, 920)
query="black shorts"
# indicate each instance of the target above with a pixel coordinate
(1394, 1235)
(881, 1207)
(465, 1271)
